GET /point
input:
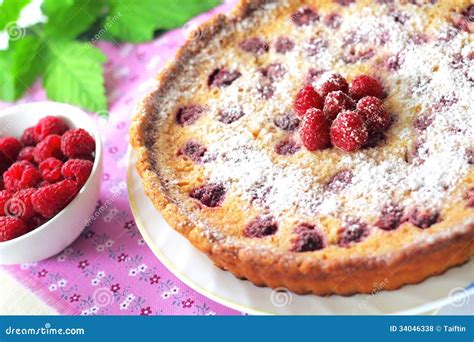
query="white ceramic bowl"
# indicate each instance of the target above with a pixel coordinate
(60, 231)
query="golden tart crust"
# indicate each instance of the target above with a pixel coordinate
(231, 127)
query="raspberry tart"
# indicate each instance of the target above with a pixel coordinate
(321, 146)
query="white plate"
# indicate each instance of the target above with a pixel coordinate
(197, 271)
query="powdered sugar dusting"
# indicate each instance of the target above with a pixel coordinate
(433, 75)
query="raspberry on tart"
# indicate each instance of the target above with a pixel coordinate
(306, 99)
(330, 82)
(374, 113)
(333, 77)
(365, 85)
(335, 103)
(314, 131)
(349, 131)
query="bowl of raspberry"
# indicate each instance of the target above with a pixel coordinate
(50, 174)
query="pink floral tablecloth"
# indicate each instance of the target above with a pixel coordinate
(110, 270)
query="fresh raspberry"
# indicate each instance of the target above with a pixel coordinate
(332, 82)
(307, 98)
(308, 239)
(47, 148)
(51, 199)
(314, 132)
(51, 170)
(261, 226)
(11, 227)
(21, 175)
(27, 153)
(365, 85)
(20, 205)
(349, 132)
(5, 197)
(336, 102)
(77, 170)
(28, 137)
(10, 147)
(49, 125)
(374, 113)
(77, 142)
(211, 195)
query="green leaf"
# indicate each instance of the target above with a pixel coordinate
(68, 22)
(28, 62)
(10, 11)
(74, 74)
(7, 83)
(20, 66)
(51, 6)
(137, 20)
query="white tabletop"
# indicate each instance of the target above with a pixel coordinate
(16, 299)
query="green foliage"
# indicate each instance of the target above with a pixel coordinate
(60, 50)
